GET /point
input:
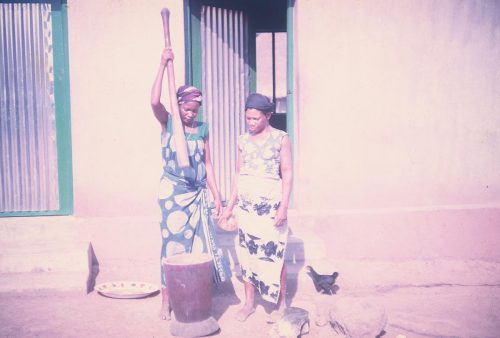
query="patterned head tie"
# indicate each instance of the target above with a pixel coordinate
(188, 93)
(259, 102)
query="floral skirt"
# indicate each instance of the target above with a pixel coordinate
(261, 246)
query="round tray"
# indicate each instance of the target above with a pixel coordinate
(126, 289)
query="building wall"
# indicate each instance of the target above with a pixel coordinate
(114, 49)
(397, 141)
(398, 114)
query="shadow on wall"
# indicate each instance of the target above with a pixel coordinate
(229, 249)
(93, 268)
(294, 260)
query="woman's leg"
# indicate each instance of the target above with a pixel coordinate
(249, 306)
(165, 305)
(281, 305)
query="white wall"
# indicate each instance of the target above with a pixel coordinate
(399, 104)
(114, 49)
(397, 115)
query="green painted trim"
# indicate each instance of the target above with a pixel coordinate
(273, 57)
(62, 100)
(62, 110)
(252, 56)
(193, 38)
(31, 213)
(188, 75)
(196, 61)
(28, 1)
(290, 87)
(289, 72)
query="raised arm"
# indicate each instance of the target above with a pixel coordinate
(159, 109)
(286, 168)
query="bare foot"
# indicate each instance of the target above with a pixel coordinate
(244, 313)
(165, 312)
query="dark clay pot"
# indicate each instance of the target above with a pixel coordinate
(190, 287)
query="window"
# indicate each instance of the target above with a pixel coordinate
(35, 136)
(271, 67)
(270, 73)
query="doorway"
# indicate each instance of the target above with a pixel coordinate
(234, 48)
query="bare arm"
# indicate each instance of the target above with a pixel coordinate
(159, 110)
(212, 184)
(234, 189)
(286, 178)
(161, 113)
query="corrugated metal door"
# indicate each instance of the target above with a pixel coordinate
(225, 80)
(28, 150)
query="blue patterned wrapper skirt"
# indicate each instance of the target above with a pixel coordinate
(186, 225)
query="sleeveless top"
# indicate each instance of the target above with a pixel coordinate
(261, 158)
(196, 173)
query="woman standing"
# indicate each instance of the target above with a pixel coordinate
(186, 225)
(261, 189)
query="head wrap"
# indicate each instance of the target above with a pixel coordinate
(188, 93)
(259, 102)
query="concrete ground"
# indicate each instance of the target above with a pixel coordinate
(413, 311)
(44, 266)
